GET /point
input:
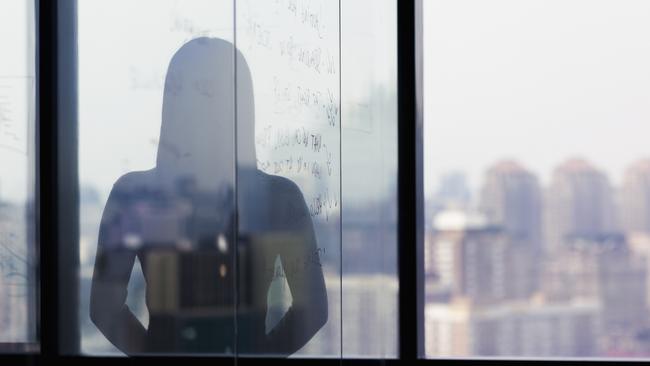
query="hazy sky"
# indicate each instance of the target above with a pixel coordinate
(537, 81)
(534, 80)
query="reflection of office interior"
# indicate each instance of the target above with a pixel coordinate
(202, 281)
(368, 279)
(185, 246)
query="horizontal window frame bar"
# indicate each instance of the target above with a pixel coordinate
(24, 359)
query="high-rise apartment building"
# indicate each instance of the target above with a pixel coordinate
(635, 198)
(511, 198)
(578, 204)
(469, 258)
(461, 328)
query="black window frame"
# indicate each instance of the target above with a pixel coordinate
(57, 205)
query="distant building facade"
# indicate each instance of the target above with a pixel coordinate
(511, 198)
(579, 203)
(606, 272)
(459, 329)
(635, 198)
(467, 257)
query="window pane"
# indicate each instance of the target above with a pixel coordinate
(219, 146)
(288, 177)
(18, 258)
(537, 178)
(369, 179)
(156, 253)
(222, 213)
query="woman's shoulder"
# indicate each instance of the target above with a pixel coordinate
(133, 182)
(279, 186)
(288, 199)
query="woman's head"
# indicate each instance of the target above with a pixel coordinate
(207, 107)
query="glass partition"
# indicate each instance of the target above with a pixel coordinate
(210, 178)
(18, 256)
(156, 103)
(237, 178)
(369, 178)
(288, 177)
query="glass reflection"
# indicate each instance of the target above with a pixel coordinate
(208, 228)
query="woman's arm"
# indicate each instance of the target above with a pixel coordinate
(113, 266)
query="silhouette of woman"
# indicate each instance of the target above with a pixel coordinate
(207, 227)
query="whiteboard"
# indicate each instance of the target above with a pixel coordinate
(292, 48)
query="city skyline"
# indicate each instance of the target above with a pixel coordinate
(520, 267)
(461, 178)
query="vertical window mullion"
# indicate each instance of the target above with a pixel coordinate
(410, 193)
(57, 179)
